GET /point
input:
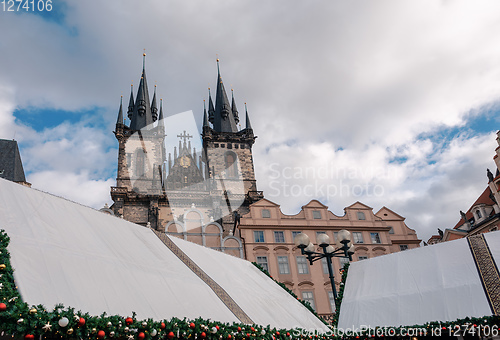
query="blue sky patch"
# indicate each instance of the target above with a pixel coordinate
(43, 118)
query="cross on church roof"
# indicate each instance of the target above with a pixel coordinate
(185, 136)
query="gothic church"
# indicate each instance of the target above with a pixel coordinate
(187, 192)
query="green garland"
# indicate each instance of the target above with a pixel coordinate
(19, 320)
(340, 295)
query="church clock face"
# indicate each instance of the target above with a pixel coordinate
(185, 161)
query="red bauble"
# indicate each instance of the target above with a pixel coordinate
(203, 335)
(217, 327)
(192, 325)
(162, 325)
(81, 322)
(171, 335)
(277, 333)
(229, 336)
(248, 335)
(129, 321)
(29, 337)
(239, 329)
(287, 334)
(101, 334)
(252, 329)
(141, 336)
(3, 307)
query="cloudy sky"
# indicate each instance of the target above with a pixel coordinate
(391, 103)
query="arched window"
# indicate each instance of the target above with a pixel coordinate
(231, 164)
(140, 163)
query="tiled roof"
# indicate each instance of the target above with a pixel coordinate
(484, 198)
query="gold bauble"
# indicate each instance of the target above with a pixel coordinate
(3, 266)
(70, 331)
(94, 330)
(33, 310)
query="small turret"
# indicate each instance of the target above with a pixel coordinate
(211, 110)
(248, 125)
(154, 109)
(131, 105)
(234, 109)
(119, 121)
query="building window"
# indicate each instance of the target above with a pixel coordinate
(302, 265)
(279, 237)
(358, 237)
(317, 214)
(478, 213)
(309, 297)
(343, 260)
(265, 213)
(332, 301)
(262, 261)
(403, 247)
(375, 237)
(391, 230)
(361, 215)
(494, 229)
(140, 163)
(258, 235)
(295, 233)
(324, 264)
(231, 165)
(336, 236)
(360, 258)
(129, 160)
(283, 265)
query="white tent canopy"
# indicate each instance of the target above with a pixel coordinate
(63, 252)
(435, 283)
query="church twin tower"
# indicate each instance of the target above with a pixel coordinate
(219, 181)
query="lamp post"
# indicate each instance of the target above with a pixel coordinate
(307, 248)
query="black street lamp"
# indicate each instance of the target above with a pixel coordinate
(307, 248)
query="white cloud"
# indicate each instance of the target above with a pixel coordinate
(77, 187)
(341, 86)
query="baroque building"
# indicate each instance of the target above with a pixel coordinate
(190, 194)
(268, 238)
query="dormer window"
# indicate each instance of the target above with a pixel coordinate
(316, 214)
(478, 213)
(361, 215)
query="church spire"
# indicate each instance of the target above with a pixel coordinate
(130, 110)
(234, 109)
(142, 116)
(120, 112)
(223, 118)
(160, 118)
(154, 109)
(205, 118)
(211, 110)
(248, 125)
